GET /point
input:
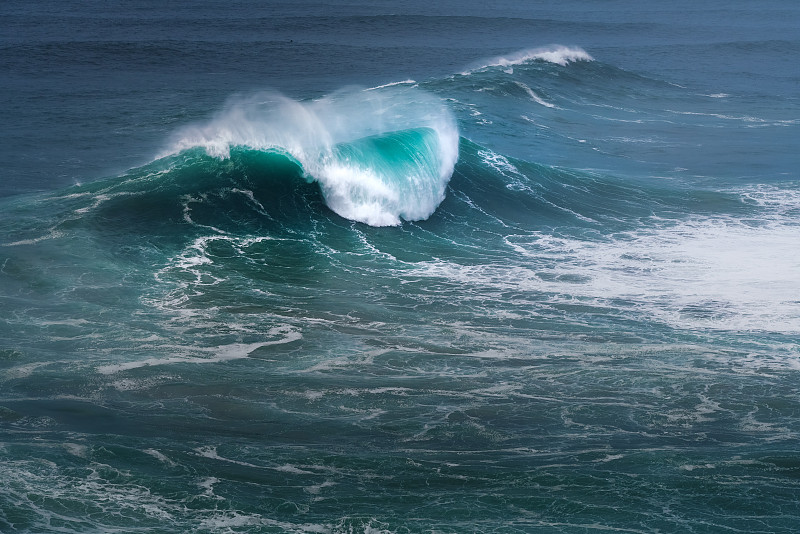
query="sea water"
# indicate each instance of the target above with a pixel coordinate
(400, 267)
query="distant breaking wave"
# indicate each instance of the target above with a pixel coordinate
(379, 156)
(558, 54)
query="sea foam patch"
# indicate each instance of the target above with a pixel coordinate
(702, 273)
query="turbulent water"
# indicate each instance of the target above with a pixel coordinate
(400, 268)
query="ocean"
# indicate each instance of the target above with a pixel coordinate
(399, 267)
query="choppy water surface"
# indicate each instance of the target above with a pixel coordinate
(469, 282)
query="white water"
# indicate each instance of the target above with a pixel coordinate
(719, 273)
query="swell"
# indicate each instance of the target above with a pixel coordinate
(253, 191)
(688, 257)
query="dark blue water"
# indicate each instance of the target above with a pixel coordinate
(399, 267)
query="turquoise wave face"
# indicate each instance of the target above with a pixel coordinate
(381, 179)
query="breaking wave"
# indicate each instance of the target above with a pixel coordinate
(379, 156)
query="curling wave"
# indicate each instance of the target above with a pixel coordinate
(379, 156)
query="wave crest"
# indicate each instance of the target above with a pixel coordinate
(558, 54)
(379, 156)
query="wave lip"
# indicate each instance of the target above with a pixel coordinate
(380, 156)
(557, 54)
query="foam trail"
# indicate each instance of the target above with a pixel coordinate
(533, 96)
(390, 84)
(379, 156)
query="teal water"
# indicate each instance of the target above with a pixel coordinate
(484, 284)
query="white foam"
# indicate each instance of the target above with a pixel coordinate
(716, 273)
(292, 470)
(499, 163)
(189, 262)
(753, 122)
(220, 353)
(207, 485)
(53, 234)
(392, 84)
(780, 201)
(743, 118)
(233, 521)
(23, 371)
(344, 180)
(34, 484)
(161, 457)
(316, 488)
(536, 98)
(210, 452)
(77, 449)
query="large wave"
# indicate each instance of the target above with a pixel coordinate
(379, 155)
